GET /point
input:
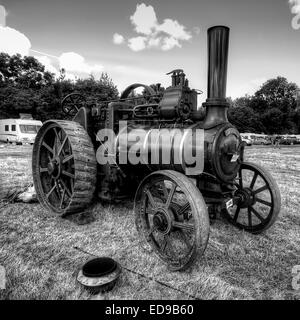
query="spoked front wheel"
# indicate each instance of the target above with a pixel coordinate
(259, 200)
(172, 216)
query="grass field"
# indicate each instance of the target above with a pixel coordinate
(37, 249)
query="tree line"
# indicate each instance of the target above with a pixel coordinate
(26, 87)
(273, 109)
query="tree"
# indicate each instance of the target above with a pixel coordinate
(278, 92)
(273, 120)
(25, 86)
(97, 90)
(245, 119)
(274, 104)
(25, 72)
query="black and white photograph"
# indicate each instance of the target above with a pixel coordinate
(149, 151)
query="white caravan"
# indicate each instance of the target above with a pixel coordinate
(19, 131)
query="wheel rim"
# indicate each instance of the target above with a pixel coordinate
(56, 167)
(259, 203)
(64, 167)
(170, 220)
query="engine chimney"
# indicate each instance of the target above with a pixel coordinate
(216, 103)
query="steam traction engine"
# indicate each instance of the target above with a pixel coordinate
(173, 204)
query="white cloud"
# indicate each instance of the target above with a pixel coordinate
(13, 41)
(170, 43)
(118, 38)
(174, 29)
(137, 44)
(154, 42)
(144, 19)
(165, 36)
(74, 62)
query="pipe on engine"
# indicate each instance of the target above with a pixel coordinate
(216, 103)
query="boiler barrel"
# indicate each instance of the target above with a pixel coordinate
(179, 149)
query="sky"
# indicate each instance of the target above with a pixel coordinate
(140, 41)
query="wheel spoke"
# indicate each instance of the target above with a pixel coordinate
(257, 214)
(184, 208)
(68, 174)
(164, 244)
(68, 158)
(57, 189)
(260, 190)
(170, 196)
(241, 178)
(42, 170)
(183, 226)
(56, 134)
(150, 197)
(250, 217)
(62, 145)
(66, 188)
(253, 180)
(165, 191)
(62, 198)
(50, 192)
(46, 145)
(269, 204)
(236, 216)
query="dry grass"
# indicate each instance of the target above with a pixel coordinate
(37, 249)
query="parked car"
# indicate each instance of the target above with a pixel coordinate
(248, 141)
(288, 140)
(261, 141)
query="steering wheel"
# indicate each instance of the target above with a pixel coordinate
(72, 103)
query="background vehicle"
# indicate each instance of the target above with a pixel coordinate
(262, 141)
(247, 140)
(19, 131)
(288, 140)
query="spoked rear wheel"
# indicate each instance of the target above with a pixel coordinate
(260, 200)
(64, 167)
(172, 216)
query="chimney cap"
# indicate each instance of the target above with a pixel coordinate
(218, 27)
